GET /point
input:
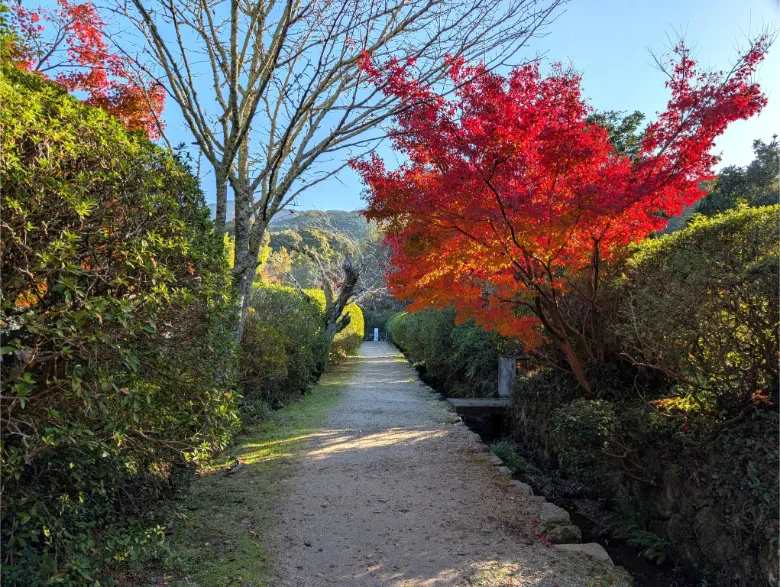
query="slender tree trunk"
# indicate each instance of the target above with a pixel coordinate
(575, 363)
(221, 190)
(553, 321)
(335, 318)
(244, 263)
(249, 239)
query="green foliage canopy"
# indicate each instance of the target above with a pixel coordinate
(758, 184)
(117, 356)
(700, 306)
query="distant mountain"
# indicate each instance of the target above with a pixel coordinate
(352, 224)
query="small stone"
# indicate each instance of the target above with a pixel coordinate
(564, 533)
(495, 460)
(504, 471)
(521, 488)
(593, 549)
(552, 515)
(307, 543)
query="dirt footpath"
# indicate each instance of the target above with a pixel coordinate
(392, 492)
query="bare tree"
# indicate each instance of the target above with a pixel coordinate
(270, 87)
(340, 284)
(357, 275)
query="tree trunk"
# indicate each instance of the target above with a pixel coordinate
(221, 191)
(335, 318)
(245, 263)
(575, 364)
(553, 321)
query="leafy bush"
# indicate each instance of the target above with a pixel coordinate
(700, 306)
(117, 356)
(284, 348)
(397, 331)
(347, 341)
(650, 545)
(506, 453)
(462, 359)
(581, 434)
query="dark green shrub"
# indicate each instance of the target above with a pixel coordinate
(461, 360)
(700, 306)
(397, 331)
(284, 348)
(117, 356)
(531, 411)
(583, 432)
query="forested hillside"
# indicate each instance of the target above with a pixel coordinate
(351, 224)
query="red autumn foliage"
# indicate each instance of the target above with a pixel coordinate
(67, 44)
(510, 197)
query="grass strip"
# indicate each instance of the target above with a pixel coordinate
(222, 541)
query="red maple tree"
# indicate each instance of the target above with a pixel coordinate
(67, 43)
(511, 198)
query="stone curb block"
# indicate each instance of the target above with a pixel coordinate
(521, 488)
(495, 460)
(552, 515)
(593, 549)
(563, 534)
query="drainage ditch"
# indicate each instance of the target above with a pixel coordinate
(588, 514)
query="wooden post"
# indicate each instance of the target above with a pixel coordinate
(507, 375)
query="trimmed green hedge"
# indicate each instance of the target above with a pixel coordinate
(117, 356)
(684, 431)
(700, 306)
(462, 360)
(284, 347)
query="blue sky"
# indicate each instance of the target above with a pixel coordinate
(608, 41)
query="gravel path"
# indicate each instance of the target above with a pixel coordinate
(392, 492)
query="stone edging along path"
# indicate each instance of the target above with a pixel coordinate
(553, 522)
(396, 490)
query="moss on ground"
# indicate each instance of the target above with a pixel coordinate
(228, 517)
